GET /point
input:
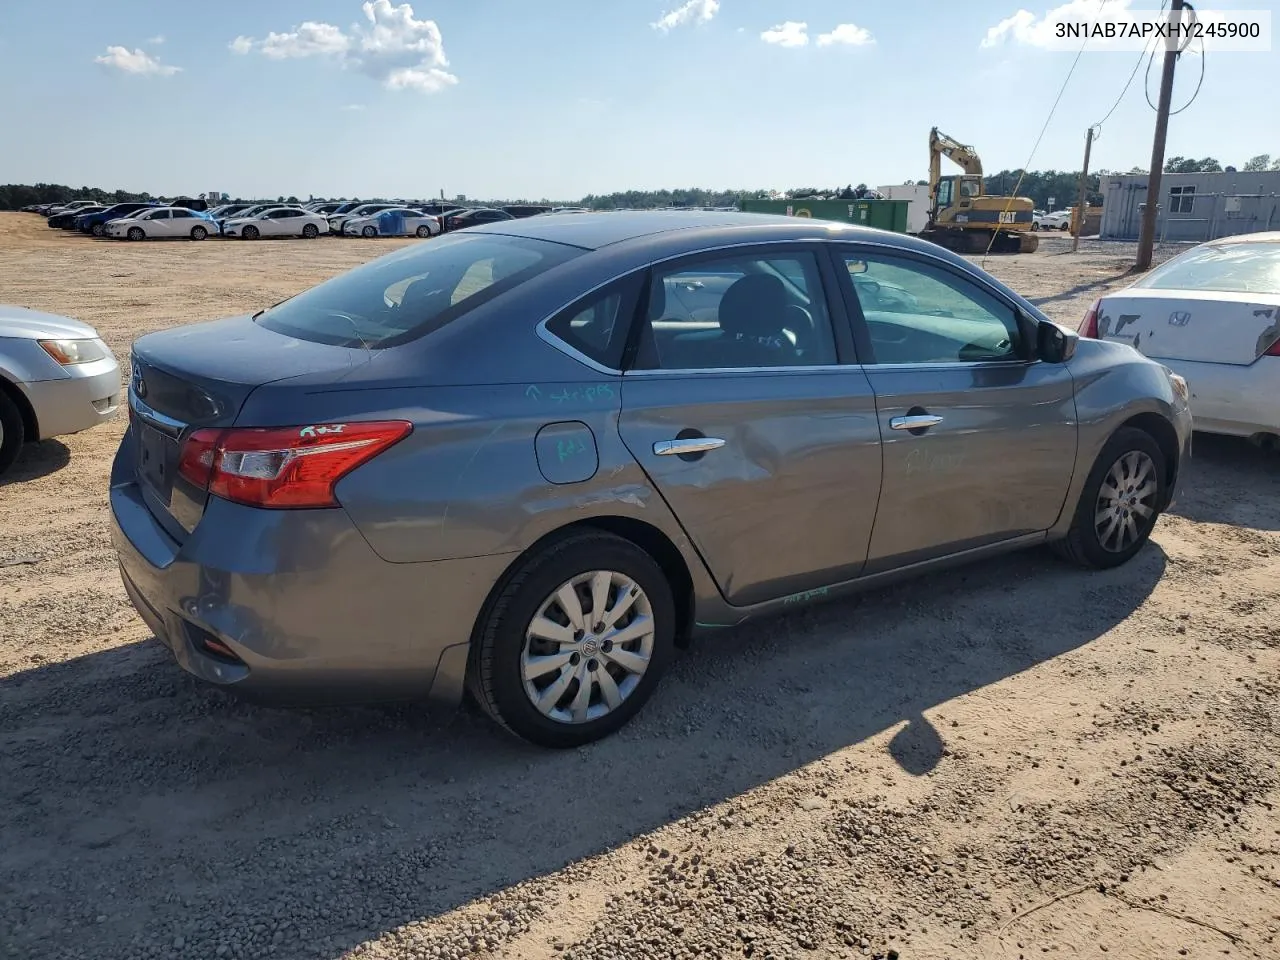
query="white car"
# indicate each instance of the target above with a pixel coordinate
(159, 223)
(1211, 314)
(276, 222)
(336, 220)
(56, 377)
(1058, 220)
(396, 222)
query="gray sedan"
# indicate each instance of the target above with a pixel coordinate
(533, 458)
(56, 377)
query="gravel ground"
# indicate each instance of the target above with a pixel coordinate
(1011, 760)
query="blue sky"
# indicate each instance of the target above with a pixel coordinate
(557, 99)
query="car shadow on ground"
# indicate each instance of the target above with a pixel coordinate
(1230, 480)
(37, 460)
(144, 807)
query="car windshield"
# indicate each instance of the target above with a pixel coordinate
(413, 292)
(346, 208)
(1248, 267)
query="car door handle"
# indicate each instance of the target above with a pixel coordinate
(676, 448)
(917, 422)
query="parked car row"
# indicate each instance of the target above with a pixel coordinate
(246, 221)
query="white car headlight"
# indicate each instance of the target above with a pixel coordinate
(69, 352)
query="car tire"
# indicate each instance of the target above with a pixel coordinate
(310, 231)
(136, 233)
(369, 232)
(250, 233)
(1093, 540)
(11, 432)
(424, 231)
(1034, 225)
(98, 229)
(198, 232)
(499, 678)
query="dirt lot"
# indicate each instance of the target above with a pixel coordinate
(1014, 760)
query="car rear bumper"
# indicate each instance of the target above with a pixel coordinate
(1233, 399)
(90, 394)
(309, 611)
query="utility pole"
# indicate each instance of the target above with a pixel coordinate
(1082, 199)
(1147, 238)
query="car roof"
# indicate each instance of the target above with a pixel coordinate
(1265, 236)
(595, 230)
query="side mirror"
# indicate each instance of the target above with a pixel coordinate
(1054, 344)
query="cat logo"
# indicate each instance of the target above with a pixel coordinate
(1179, 318)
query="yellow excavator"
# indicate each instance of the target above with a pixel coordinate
(962, 216)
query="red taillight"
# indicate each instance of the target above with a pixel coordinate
(284, 467)
(1089, 325)
(1274, 349)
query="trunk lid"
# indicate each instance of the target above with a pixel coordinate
(1189, 325)
(200, 376)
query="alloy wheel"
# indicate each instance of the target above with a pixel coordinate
(587, 647)
(1126, 501)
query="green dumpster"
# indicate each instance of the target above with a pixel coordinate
(881, 214)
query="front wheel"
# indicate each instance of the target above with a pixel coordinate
(11, 432)
(250, 233)
(198, 232)
(136, 233)
(98, 229)
(424, 231)
(1034, 225)
(1120, 503)
(370, 231)
(310, 231)
(575, 643)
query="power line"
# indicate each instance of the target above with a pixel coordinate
(1098, 126)
(1034, 147)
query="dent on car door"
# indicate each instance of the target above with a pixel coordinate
(979, 437)
(739, 409)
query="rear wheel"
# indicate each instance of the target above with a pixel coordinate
(310, 231)
(424, 231)
(11, 433)
(98, 229)
(575, 643)
(369, 231)
(250, 233)
(1120, 503)
(198, 232)
(136, 233)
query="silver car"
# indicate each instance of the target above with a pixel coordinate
(56, 377)
(533, 458)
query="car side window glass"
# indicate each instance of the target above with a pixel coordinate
(160, 215)
(919, 313)
(743, 311)
(179, 214)
(597, 326)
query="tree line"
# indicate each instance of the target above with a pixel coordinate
(1039, 185)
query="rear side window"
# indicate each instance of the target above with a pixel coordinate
(414, 291)
(597, 326)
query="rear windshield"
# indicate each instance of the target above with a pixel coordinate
(1224, 268)
(414, 291)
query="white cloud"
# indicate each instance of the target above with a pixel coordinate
(789, 34)
(136, 62)
(156, 40)
(849, 34)
(392, 46)
(694, 11)
(1026, 28)
(353, 107)
(309, 40)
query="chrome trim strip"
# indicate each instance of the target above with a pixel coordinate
(154, 418)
